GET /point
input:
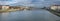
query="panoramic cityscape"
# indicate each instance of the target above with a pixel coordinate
(29, 10)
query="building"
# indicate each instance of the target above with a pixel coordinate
(0, 7)
(55, 8)
(4, 7)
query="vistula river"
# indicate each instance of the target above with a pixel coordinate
(29, 15)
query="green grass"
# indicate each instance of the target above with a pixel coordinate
(7, 10)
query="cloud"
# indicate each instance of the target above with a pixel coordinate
(38, 3)
(45, 2)
(23, 2)
(6, 2)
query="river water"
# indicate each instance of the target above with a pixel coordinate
(29, 15)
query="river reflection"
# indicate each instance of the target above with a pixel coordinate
(4, 15)
(29, 15)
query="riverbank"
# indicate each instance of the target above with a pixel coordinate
(54, 12)
(9, 10)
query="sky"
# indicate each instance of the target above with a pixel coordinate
(35, 3)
